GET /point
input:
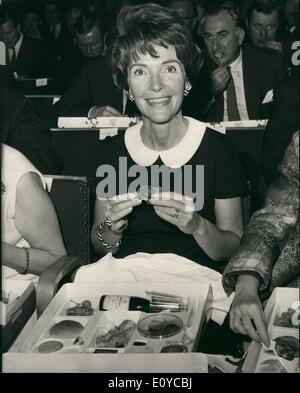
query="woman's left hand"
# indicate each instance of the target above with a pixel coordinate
(178, 210)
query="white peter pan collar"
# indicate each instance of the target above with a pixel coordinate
(175, 157)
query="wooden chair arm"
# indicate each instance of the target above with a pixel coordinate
(49, 280)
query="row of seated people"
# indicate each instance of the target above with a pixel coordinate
(53, 46)
(56, 46)
(207, 229)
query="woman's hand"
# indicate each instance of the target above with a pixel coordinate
(246, 314)
(178, 210)
(118, 207)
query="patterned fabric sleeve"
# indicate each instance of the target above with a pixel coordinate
(269, 228)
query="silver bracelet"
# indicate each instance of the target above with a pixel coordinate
(100, 237)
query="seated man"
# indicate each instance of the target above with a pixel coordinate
(22, 129)
(283, 123)
(71, 15)
(90, 38)
(263, 24)
(266, 28)
(93, 94)
(25, 55)
(31, 23)
(61, 43)
(236, 80)
(269, 253)
(188, 11)
(291, 28)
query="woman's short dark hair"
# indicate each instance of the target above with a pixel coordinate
(142, 27)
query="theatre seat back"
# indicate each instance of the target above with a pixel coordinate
(70, 197)
(79, 150)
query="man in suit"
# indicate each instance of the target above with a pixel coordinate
(22, 129)
(267, 28)
(263, 22)
(25, 55)
(236, 81)
(89, 35)
(62, 44)
(93, 94)
(283, 123)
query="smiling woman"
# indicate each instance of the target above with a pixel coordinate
(153, 60)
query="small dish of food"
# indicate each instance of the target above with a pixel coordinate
(160, 326)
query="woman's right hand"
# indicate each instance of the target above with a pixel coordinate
(118, 208)
(246, 314)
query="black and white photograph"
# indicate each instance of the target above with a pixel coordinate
(150, 189)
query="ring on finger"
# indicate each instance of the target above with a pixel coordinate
(108, 221)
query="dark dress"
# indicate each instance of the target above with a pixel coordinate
(223, 178)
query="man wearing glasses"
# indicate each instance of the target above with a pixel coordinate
(263, 22)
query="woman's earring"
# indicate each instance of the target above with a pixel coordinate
(130, 96)
(187, 89)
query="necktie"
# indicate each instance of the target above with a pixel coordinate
(232, 108)
(13, 59)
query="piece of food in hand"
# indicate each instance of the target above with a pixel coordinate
(117, 337)
(66, 329)
(271, 366)
(287, 347)
(146, 192)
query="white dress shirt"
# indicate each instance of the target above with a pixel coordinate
(56, 30)
(17, 48)
(236, 69)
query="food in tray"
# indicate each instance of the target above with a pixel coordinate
(271, 366)
(81, 309)
(174, 348)
(287, 347)
(117, 337)
(160, 326)
(66, 329)
(50, 346)
(285, 319)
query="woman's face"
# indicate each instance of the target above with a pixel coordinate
(157, 84)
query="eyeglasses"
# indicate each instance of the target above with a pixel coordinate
(261, 28)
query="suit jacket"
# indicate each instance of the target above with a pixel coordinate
(283, 123)
(270, 247)
(262, 70)
(93, 87)
(68, 57)
(22, 129)
(33, 60)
